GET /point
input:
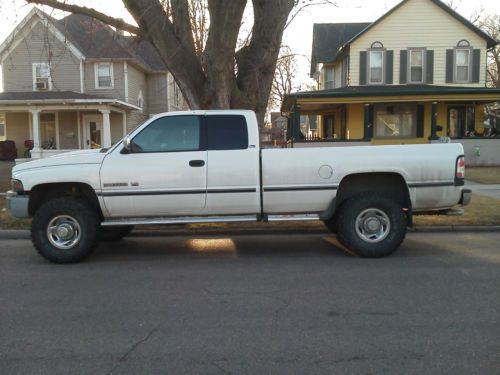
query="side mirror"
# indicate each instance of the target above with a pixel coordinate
(127, 146)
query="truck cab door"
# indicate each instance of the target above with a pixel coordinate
(163, 172)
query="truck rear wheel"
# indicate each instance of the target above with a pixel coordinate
(371, 225)
(65, 230)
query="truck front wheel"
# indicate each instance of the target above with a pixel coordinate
(371, 225)
(65, 230)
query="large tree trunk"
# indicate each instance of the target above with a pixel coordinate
(221, 77)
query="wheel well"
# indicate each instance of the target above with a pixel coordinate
(390, 184)
(45, 192)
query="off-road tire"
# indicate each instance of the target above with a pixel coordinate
(114, 233)
(353, 209)
(81, 212)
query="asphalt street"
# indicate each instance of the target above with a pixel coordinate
(274, 304)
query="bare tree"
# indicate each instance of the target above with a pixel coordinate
(491, 25)
(214, 73)
(285, 77)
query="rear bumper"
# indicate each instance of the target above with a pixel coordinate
(17, 205)
(466, 197)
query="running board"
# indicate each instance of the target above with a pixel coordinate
(178, 220)
(298, 217)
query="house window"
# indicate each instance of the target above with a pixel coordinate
(376, 67)
(103, 75)
(395, 120)
(42, 80)
(329, 78)
(462, 65)
(2, 126)
(48, 130)
(416, 71)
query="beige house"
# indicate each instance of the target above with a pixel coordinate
(75, 83)
(415, 75)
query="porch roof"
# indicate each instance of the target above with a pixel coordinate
(69, 98)
(374, 94)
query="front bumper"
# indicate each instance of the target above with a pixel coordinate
(466, 197)
(17, 205)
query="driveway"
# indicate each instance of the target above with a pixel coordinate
(294, 304)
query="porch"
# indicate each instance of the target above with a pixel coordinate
(55, 126)
(385, 115)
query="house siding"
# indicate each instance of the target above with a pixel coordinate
(137, 82)
(35, 47)
(135, 118)
(157, 96)
(118, 90)
(116, 127)
(419, 23)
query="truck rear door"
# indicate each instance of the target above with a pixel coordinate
(233, 165)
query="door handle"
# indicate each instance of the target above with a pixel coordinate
(196, 163)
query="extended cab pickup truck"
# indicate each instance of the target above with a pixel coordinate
(207, 166)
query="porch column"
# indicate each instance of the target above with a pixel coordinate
(35, 129)
(368, 126)
(433, 121)
(296, 122)
(106, 128)
(124, 118)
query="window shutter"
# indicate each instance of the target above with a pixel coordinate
(420, 120)
(403, 66)
(476, 65)
(362, 67)
(449, 66)
(429, 67)
(389, 67)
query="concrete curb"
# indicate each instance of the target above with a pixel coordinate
(16, 234)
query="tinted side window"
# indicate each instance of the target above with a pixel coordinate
(227, 132)
(171, 133)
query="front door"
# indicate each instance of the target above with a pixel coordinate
(92, 125)
(328, 126)
(165, 174)
(457, 125)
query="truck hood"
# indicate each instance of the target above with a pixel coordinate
(94, 156)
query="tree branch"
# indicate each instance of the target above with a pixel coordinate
(115, 22)
(182, 23)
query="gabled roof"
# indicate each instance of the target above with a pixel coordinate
(326, 48)
(328, 38)
(15, 36)
(99, 41)
(89, 38)
(490, 42)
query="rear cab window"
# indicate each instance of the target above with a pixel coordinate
(226, 132)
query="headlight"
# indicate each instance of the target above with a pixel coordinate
(16, 186)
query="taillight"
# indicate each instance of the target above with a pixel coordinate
(460, 171)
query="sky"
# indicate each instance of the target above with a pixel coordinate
(298, 35)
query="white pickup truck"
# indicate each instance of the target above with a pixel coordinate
(207, 166)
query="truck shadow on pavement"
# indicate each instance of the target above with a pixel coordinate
(286, 246)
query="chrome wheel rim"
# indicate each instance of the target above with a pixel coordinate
(64, 232)
(372, 225)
